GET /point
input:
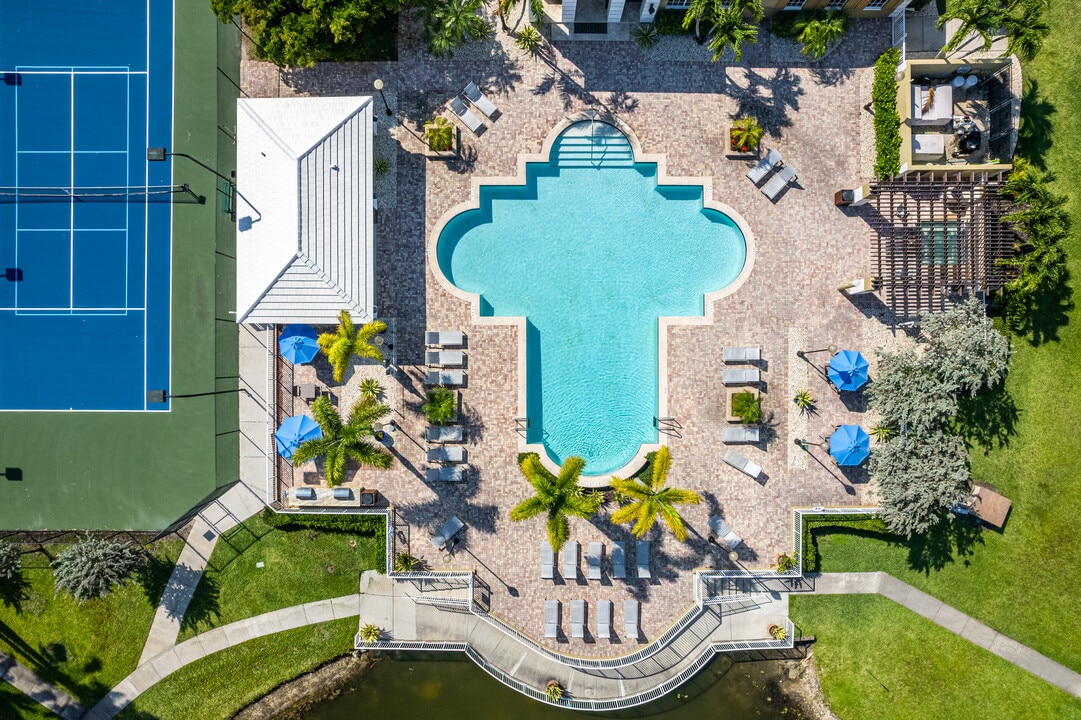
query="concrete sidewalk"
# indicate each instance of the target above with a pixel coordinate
(51, 697)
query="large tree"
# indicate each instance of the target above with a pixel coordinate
(93, 567)
(452, 23)
(647, 501)
(344, 441)
(964, 348)
(341, 345)
(727, 27)
(1020, 20)
(558, 496)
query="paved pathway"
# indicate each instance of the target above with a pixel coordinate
(37, 689)
(953, 620)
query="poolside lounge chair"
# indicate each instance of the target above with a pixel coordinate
(619, 560)
(758, 173)
(464, 114)
(446, 533)
(476, 96)
(630, 619)
(551, 618)
(443, 433)
(641, 558)
(548, 561)
(446, 358)
(604, 619)
(570, 560)
(443, 474)
(593, 560)
(578, 618)
(724, 533)
(741, 354)
(742, 464)
(447, 454)
(444, 377)
(741, 376)
(779, 182)
(742, 434)
(444, 338)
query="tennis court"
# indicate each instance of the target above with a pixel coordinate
(85, 219)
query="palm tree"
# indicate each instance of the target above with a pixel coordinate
(341, 345)
(558, 496)
(699, 9)
(440, 404)
(713, 11)
(1026, 30)
(983, 17)
(731, 29)
(649, 501)
(821, 34)
(342, 441)
(453, 23)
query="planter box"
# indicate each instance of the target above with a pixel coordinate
(728, 415)
(444, 154)
(738, 149)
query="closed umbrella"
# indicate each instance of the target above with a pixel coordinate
(850, 445)
(297, 344)
(294, 432)
(848, 370)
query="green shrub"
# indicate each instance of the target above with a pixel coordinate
(815, 525)
(646, 36)
(789, 24)
(440, 405)
(670, 22)
(381, 166)
(358, 524)
(529, 39)
(747, 407)
(439, 133)
(887, 121)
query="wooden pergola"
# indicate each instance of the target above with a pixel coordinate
(938, 236)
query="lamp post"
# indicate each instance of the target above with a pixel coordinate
(831, 349)
(379, 86)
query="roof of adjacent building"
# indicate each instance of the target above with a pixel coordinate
(304, 210)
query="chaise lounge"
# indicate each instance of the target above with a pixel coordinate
(444, 338)
(779, 182)
(593, 560)
(443, 433)
(745, 466)
(547, 561)
(641, 556)
(724, 533)
(604, 619)
(447, 454)
(630, 619)
(570, 560)
(443, 474)
(578, 618)
(619, 560)
(741, 354)
(444, 358)
(741, 376)
(476, 96)
(759, 172)
(551, 618)
(742, 434)
(444, 377)
(464, 114)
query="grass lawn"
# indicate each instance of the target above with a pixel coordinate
(85, 649)
(294, 571)
(217, 686)
(872, 658)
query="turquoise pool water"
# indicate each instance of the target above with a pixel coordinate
(591, 251)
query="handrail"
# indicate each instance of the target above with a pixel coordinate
(271, 404)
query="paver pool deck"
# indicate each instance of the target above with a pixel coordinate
(806, 247)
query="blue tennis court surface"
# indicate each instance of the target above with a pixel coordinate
(85, 220)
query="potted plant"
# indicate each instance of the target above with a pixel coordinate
(439, 135)
(778, 632)
(404, 562)
(440, 405)
(804, 400)
(785, 562)
(745, 406)
(370, 633)
(554, 691)
(745, 135)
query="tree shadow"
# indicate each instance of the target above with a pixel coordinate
(14, 592)
(153, 577)
(204, 609)
(770, 99)
(830, 76)
(943, 544)
(1034, 133)
(989, 419)
(1049, 312)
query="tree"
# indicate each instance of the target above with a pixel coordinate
(646, 502)
(1026, 29)
(965, 349)
(302, 32)
(453, 23)
(93, 567)
(822, 33)
(1020, 20)
(909, 395)
(11, 561)
(558, 496)
(341, 345)
(731, 29)
(440, 404)
(342, 441)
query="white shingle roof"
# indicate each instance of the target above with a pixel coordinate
(304, 177)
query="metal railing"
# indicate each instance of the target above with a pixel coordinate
(271, 405)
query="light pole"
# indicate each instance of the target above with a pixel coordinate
(379, 86)
(831, 349)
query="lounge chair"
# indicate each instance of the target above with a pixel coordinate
(444, 377)
(741, 376)
(445, 358)
(464, 114)
(570, 560)
(630, 619)
(604, 619)
(446, 533)
(443, 433)
(548, 561)
(641, 558)
(724, 533)
(741, 354)
(758, 173)
(740, 434)
(742, 464)
(779, 182)
(593, 560)
(578, 618)
(551, 618)
(444, 338)
(476, 96)
(446, 454)
(443, 474)
(619, 560)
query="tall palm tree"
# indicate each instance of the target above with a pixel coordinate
(558, 496)
(731, 29)
(983, 17)
(453, 23)
(1025, 28)
(821, 34)
(342, 441)
(341, 345)
(649, 501)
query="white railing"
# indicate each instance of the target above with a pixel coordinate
(271, 409)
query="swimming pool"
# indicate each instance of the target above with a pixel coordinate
(591, 250)
(85, 220)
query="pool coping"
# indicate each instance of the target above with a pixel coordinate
(664, 322)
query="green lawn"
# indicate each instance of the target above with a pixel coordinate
(294, 571)
(217, 686)
(879, 660)
(13, 704)
(85, 649)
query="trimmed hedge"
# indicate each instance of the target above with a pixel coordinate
(360, 524)
(670, 22)
(818, 525)
(887, 121)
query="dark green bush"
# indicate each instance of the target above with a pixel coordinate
(789, 24)
(670, 22)
(813, 526)
(887, 121)
(360, 524)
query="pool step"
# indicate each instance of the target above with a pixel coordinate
(592, 151)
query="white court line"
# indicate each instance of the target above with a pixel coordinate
(65, 230)
(146, 213)
(71, 207)
(76, 152)
(59, 70)
(127, 205)
(72, 311)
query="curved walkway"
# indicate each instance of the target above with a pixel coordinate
(51, 697)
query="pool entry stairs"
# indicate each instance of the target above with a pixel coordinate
(592, 144)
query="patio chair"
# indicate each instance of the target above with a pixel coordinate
(443, 474)
(444, 377)
(446, 454)
(641, 558)
(741, 376)
(551, 618)
(604, 619)
(476, 96)
(630, 619)
(578, 618)
(444, 358)
(758, 173)
(444, 338)
(619, 560)
(570, 560)
(742, 434)
(779, 182)
(443, 433)
(742, 464)
(548, 561)
(447, 532)
(464, 114)
(741, 354)
(724, 533)
(593, 560)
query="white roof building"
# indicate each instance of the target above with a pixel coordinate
(304, 239)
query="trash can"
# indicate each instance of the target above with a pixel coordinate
(844, 197)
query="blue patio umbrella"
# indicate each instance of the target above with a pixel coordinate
(294, 432)
(297, 344)
(848, 370)
(850, 445)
